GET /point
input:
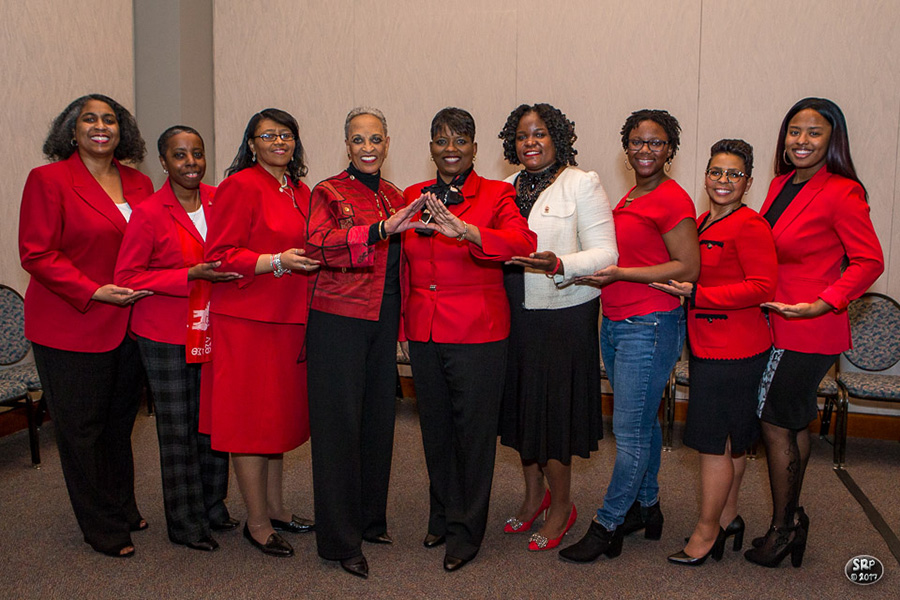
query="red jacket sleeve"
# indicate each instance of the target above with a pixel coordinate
(759, 263)
(327, 242)
(40, 235)
(237, 207)
(853, 227)
(508, 234)
(133, 267)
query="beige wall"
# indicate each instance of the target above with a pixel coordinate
(725, 69)
(52, 52)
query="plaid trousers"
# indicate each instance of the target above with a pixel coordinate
(194, 477)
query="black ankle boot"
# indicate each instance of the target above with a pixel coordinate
(596, 541)
(648, 518)
(778, 543)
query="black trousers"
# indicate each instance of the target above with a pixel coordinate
(459, 388)
(194, 476)
(93, 399)
(352, 374)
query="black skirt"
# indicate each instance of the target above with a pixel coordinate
(723, 402)
(790, 401)
(552, 398)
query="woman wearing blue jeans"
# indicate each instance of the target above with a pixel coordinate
(643, 328)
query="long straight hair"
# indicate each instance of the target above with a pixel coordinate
(837, 158)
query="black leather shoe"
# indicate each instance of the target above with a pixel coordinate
(433, 541)
(295, 525)
(451, 563)
(228, 524)
(716, 551)
(207, 544)
(381, 538)
(274, 546)
(356, 566)
(596, 541)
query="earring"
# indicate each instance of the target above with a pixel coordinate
(74, 143)
(668, 167)
(254, 157)
(166, 171)
(785, 156)
(431, 159)
(628, 166)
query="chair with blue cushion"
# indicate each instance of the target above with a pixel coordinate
(875, 330)
(19, 383)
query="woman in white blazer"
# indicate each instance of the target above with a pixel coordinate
(551, 406)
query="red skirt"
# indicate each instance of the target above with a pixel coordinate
(253, 392)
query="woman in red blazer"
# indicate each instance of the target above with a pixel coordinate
(253, 399)
(73, 217)
(730, 342)
(456, 317)
(828, 254)
(163, 252)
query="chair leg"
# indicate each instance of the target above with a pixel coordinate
(31, 413)
(827, 409)
(668, 425)
(840, 428)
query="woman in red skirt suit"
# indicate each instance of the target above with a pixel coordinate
(254, 399)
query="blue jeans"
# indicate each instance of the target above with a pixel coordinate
(639, 353)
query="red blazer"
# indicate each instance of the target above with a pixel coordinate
(738, 272)
(453, 291)
(69, 236)
(151, 258)
(253, 217)
(351, 280)
(828, 220)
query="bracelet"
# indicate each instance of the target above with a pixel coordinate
(382, 230)
(277, 269)
(555, 269)
(465, 232)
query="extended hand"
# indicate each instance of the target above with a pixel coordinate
(539, 261)
(676, 288)
(443, 221)
(403, 218)
(295, 260)
(208, 272)
(113, 294)
(602, 277)
(801, 310)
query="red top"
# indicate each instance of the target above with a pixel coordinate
(826, 222)
(151, 258)
(738, 271)
(453, 290)
(253, 217)
(70, 231)
(350, 282)
(639, 230)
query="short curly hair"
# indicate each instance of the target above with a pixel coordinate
(739, 148)
(561, 129)
(660, 117)
(58, 145)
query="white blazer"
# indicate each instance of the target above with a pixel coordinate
(573, 219)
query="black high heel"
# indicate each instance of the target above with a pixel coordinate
(802, 521)
(716, 551)
(771, 553)
(736, 529)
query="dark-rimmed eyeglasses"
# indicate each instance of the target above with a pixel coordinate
(636, 144)
(271, 137)
(731, 175)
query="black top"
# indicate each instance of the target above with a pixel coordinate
(782, 201)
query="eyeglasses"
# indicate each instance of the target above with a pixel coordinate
(636, 144)
(731, 175)
(271, 137)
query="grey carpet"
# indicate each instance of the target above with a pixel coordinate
(43, 555)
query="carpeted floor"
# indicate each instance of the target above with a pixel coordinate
(43, 555)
